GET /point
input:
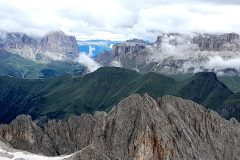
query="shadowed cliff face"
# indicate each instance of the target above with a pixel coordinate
(137, 128)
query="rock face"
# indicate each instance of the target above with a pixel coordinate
(21, 44)
(217, 42)
(58, 42)
(54, 46)
(137, 128)
(129, 46)
(130, 54)
(179, 53)
(205, 42)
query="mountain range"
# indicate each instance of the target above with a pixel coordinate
(61, 97)
(25, 56)
(175, 98)
(171, 53)
(174, 53)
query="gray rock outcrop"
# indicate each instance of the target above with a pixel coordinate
(130, 54)
(217, 42)
(137, 128)
(134, 45)
(205, 42)
(53, 46)
(58, 42)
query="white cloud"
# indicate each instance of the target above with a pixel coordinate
(88, 62)
(91, 50)
(218, 63)
(119, 19)
(116, 64)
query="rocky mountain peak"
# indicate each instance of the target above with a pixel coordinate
(212, 42)
(58, 42)
(137, 128)
(16, 40)
(128, 47)
(54, 46)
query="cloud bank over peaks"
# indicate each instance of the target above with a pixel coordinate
(119, 19)
(177, 50)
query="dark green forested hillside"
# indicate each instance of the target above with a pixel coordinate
(205, 88)
(61, 97)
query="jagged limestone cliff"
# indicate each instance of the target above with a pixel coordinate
(137, 128)
(53, 46)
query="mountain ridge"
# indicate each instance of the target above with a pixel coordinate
(63, 96)
(138, 127)
(171, 53)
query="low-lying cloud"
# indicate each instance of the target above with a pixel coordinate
(218, 63)
(87, 61)
(116, 64)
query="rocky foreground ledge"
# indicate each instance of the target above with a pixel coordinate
(137, 128)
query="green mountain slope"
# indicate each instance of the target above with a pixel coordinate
(63, 96)
(205, 88)
(233, 82)
(15, 65)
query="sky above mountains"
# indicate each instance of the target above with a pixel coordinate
(119, 19)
